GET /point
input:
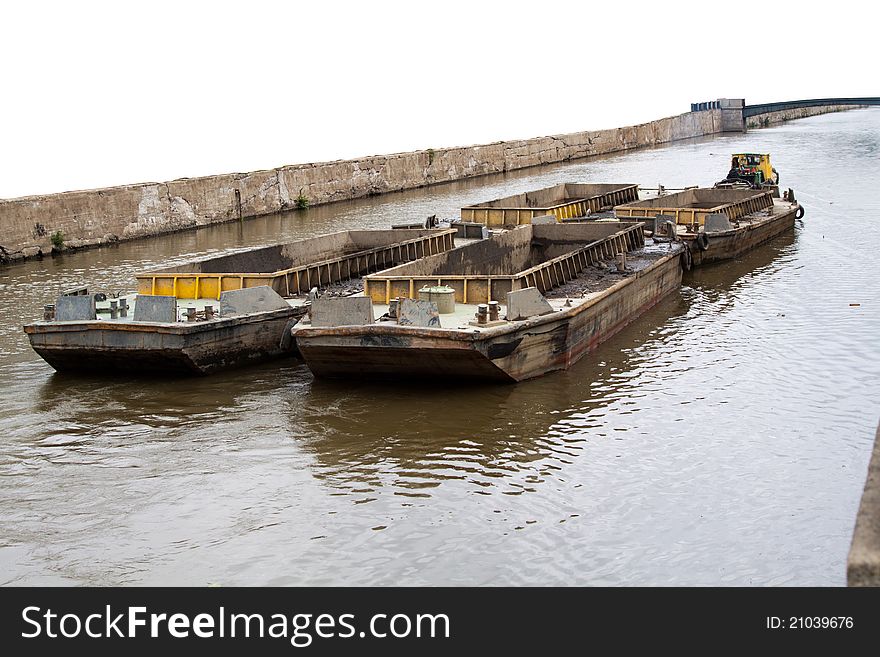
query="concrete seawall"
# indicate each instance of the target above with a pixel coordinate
(863, 565)
(34, 226)
(764, 120)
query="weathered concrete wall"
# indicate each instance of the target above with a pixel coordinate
(763, 120)
(732, 114)
(863, 565)
(101, 216)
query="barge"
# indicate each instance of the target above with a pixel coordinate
(523, 303)
(157, 336)
(295, 268)
(714, 223)
(564, 201)
(217, 312)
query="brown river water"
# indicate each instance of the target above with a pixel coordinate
(722, 439)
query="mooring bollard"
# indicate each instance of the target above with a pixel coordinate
(114, 309)
(190, 314)
(123, 308)
(482, 313)
(621, 261)
(209, 312)
(493, 311)
(49, 312)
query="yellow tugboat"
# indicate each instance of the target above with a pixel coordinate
(752, 169)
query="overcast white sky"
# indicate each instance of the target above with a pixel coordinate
(103, 93)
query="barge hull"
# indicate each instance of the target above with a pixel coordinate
(535, 347)
(561, 346)
(733, 243)
(161, 349)
(364, 356)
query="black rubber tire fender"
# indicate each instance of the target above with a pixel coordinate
(800, 212)
(702, 241)
(687, 258)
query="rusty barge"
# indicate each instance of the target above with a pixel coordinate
(520, 304)
(218, 312)
(716, 224)
(562, 202)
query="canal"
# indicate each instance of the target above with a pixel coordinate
(722, 439)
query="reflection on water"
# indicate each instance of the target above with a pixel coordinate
(721, 439)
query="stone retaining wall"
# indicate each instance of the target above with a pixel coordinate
(101, 216)
(764, 120)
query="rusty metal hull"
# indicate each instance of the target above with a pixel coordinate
(733, 243)
(177, 349)
(513, 352)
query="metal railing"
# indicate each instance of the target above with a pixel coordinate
(566, 267)
(686, 216)
(766, 108)
(571, 208)
(481, 288)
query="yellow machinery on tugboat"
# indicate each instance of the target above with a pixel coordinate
(752, 169)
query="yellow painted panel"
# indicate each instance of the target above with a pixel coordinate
(399, 289)
(375, 290)
(209, 288)
(186, 287)
(164, 286)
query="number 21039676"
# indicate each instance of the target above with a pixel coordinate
(810, 623)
